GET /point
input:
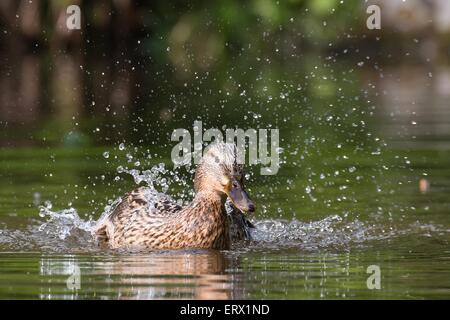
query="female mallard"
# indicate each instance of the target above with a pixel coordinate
(148, 219)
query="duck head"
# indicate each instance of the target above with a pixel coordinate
(219, 171)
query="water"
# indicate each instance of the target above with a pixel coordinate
(364, 142)
(332, 211)
(298, 253)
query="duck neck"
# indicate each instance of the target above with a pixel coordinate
(208, 212)
(212, 199)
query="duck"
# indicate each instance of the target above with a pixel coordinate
(216, 217)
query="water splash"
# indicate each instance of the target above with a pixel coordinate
(61, 224)
(62, 231)
(152, 177)
(335, 233)
(66, 231)
(330, 232)
(158, 178)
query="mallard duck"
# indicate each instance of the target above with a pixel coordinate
(148, 219)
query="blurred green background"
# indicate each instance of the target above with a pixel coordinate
(338, 92)
(363, 116)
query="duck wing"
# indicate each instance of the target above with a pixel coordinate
(156, 204)
(144, 203)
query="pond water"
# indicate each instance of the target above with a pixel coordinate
(364, 181)
(300, 249)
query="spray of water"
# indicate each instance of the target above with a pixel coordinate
(64, 230)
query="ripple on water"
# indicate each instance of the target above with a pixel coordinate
(66, 231)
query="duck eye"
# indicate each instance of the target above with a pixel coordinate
(225, 181)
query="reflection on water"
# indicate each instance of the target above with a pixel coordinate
(407, 271)
(186, 274)
(287, 259)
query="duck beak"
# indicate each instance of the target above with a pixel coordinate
(240, 198)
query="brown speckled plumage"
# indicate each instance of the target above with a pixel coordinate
(148, 219)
